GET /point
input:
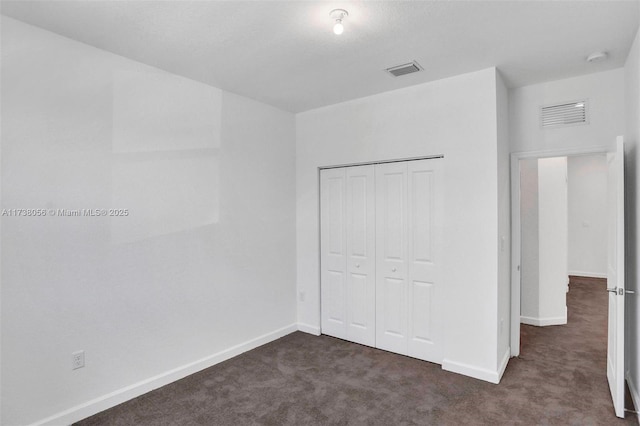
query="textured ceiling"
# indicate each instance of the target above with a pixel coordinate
(284, 53)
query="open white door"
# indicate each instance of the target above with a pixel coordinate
(615, 275)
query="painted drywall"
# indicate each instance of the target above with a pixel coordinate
(203, 261)
(587, 177)
(605, 94)
(632, 181)
(529, 254)
(544, 245)
(552, 240)
(504, 224)
(454, 117)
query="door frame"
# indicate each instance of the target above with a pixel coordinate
(516, 227)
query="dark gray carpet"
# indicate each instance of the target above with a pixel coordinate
(300, 379)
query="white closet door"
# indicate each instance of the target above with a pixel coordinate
(381, 238)
(391, 257)
(333, 252)
(424, 298)
(348, 253)
(361, 261)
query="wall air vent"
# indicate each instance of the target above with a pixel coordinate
(564, 114)
(404, 69)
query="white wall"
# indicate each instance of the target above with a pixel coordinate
(605, 93)
(205, 260)
(632, 180)
(455, 117)
(504, 224)
(544, 245)
(587, 176)
(552, 240)
(529, 254)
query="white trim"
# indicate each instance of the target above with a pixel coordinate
(516, 228)
(589, 274)
(561, 152)
(635, 396)
(311, 329)
(542, 322)
(471, 371)
(119, 396)
(503, 364)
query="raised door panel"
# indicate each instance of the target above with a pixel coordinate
(393, 307)
(391, 252)
(424, 296)
(360, 246)
(333, 254)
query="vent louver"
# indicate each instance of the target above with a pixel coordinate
(404, 69)
(564, 114)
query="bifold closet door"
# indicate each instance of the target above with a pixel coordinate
(409, 219)
(348, 253)
(381, 239)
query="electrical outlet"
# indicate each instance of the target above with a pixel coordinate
(77, 360)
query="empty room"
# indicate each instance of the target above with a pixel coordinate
(319, 212)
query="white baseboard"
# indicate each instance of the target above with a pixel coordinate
(311, 329)
(112, 399)
(635, 396)
(503, 363)
(588, 274)
(471, 371)
(541, 322)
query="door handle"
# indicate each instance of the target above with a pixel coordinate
(393, 269)
(612, 290)
(357, 265)
(618, 291)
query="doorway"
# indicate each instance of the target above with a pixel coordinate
(517, 160)
(615, 260)
(563, 232)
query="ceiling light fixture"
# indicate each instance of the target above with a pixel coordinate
(597, 57)
(338, 15)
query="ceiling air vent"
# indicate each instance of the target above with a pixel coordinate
(404, 69)
(564, 114)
